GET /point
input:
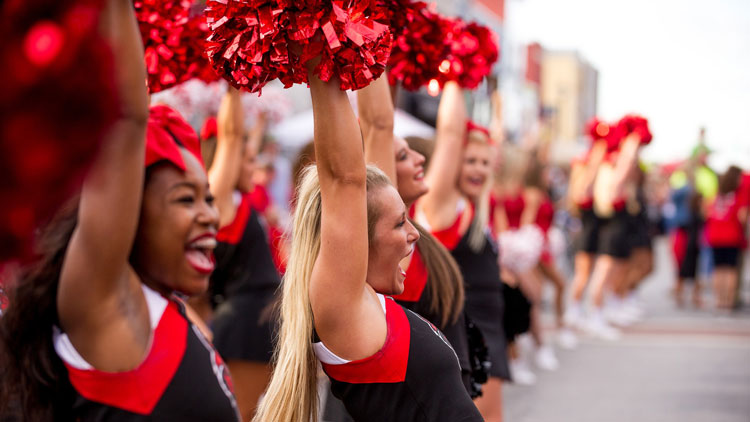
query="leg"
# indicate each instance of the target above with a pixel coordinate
(583, 263)
(549, 270)
(531, 287)
(250, 380)
(490, 405)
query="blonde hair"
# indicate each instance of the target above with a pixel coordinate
(292, 394)
(477, 236)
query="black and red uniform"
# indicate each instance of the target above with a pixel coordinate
(182, 378)
(417, 298)
(484, 289)
(415, 376)
(545, 216)
(244, 286)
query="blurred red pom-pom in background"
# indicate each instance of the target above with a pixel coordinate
(174, 34)
(59, 100)
(419, 48)
(597, 129)
(633, 123)
(473, 51)
(250, 41)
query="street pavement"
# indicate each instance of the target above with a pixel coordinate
(681, 365)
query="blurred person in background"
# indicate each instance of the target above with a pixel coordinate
(725, 234)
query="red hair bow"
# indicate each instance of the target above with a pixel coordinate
(167, 132)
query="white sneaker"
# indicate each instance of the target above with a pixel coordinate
(545, 359)
(599, 328)
(574, 316)
(521, 374)
(618, 315)
(567, 339)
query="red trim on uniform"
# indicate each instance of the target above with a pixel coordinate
(514, 206)
(389, 364)
(545, 214)
(139, 390)
(450, 237)
(586, 204)
(416, 279)
(618, 204)
(232, 232)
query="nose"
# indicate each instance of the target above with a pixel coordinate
(419, 157)
(413, 234)
(208, 215)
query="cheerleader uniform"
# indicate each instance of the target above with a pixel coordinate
(182, 378)
(244, 286)
(416, 297)
(513, 210)
(640, 236)
(415, 376)
(614, 234)
(484, 289)
(544, 217)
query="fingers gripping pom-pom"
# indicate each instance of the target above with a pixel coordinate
(638, 125)
(254, 42)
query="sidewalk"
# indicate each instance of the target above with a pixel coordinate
(677, 365)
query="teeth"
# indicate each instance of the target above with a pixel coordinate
(205, 243)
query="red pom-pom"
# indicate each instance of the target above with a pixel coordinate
(250, 40)
(58, 102)
(633, 123)
(473, 52)
(174, 41)
(597, 129)
(419, 48)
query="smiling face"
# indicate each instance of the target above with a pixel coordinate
(173, 249)
(475, 169)
(392, 239)
(409, 171)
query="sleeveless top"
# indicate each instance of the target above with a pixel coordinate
(182, 378)
(723, 226)
(416, 298)
(415, 376)
(545, 215)
(513, 210)
(243, 256)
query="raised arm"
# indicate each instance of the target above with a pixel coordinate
(95, 269)
(338, 279)
(626, 162)
(225, 170)
(439, 204)
(376, 119)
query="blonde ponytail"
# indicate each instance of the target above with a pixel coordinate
(292, 394)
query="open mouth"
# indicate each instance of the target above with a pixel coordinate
(419, 176)
(200, 254)
(476, 180)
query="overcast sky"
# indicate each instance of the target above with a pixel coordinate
(681, 63)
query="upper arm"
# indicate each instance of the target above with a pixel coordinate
(341, 265)
(226, 167)
(532, 202)
(440, 201)
(376, 119)
(96, 267)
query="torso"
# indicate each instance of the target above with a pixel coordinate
(243, 257)
(415, 376)
(182, 378)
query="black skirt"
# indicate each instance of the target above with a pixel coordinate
(614, 236)
(588, 239)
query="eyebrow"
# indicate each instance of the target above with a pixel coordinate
(183, 185)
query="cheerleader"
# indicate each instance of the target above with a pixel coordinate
(246, 278)
(350, 232)
(96, 331)
(456, 211)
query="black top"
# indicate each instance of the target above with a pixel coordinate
(414, 377)
(182, 379)
(243, 256)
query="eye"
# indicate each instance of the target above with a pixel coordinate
(186, 199)
(401, 156)
(210, 199)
